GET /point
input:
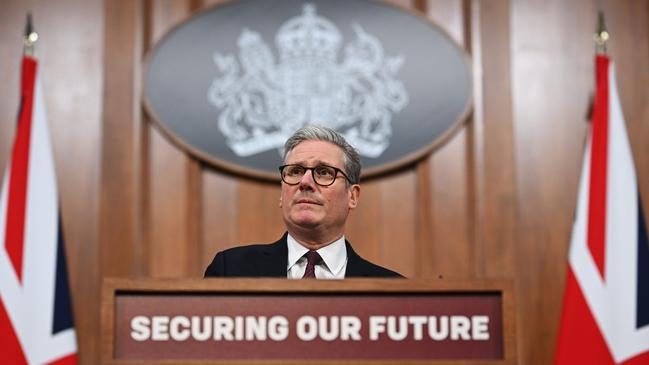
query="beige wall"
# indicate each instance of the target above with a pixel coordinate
(496, 201)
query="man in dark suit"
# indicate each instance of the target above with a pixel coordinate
(320, 186)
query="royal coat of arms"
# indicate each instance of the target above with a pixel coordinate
(261, 102)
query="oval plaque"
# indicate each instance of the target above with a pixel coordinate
(231, 83)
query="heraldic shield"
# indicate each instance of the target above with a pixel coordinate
(261, 101)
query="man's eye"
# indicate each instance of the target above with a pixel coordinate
(294, 170)
(324, 171)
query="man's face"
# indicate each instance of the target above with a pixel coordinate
(308, 206)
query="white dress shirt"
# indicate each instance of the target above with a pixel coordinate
(334, 257)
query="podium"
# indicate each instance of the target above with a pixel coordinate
(279, 321)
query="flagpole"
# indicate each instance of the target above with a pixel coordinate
(30, 37)
(601, 35)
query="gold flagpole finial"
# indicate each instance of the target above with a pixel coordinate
(601, 35)
(30, 37)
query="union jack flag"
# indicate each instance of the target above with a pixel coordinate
(605, 317)
(35, 317)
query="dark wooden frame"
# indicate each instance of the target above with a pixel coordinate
(112, 286)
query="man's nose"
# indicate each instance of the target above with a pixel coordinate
(307, 181)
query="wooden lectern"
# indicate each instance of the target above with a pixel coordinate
(278, 321)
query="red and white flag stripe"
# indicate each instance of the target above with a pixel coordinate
(35, 318)
(604, 319)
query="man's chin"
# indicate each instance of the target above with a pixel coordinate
(306, 222)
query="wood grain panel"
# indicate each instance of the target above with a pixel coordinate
(169, 195)
(499, 189)
(449, 15)
(260, 217)
(12, 25)
(451, 248)
(121, 211)
(362, 222)
(382, 228)
(496, 188)
(172, 200)
(397, 225)
(551, 85)
(219, 214)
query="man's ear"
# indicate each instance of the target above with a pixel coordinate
(280, 201)
(354, 192)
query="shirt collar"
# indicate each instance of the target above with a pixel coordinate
(334, 254)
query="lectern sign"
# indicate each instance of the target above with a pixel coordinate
(283, 321)
(232, 83)
(309, 327)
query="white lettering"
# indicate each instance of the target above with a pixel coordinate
(140, 328)
(350, 328)
(278, 328)
(175, 331)
(480, 328)
(460, 326)
(377, 325)
(397, 333)
(307, 328)
(417, 323)
(328, 327)
(435, 331)
(223, 327)
(205, 334)
(238, 328)
(159, 328)
(255, 328)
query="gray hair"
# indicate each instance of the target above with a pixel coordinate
(351, 158)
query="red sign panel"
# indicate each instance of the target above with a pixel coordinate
(309, 326)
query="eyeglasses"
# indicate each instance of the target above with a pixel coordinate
(323, 175)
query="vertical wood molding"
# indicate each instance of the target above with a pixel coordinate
(194, 233)
(499, 189)
(120, 221)
(450, 251)
(173, 189)
(475, 134)
(425, 253)
(495, 169)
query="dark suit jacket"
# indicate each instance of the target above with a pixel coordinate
(271, 260)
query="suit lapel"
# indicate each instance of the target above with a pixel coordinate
(356, 266)
(273, 259)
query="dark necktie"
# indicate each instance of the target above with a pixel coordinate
(312, 259)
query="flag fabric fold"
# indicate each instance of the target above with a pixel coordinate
(35, 314)
(606, 298)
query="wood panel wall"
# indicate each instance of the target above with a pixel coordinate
(496, 201)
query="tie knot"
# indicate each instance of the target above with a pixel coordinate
(313, 258)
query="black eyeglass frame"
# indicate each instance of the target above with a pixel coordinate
(336, 171)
